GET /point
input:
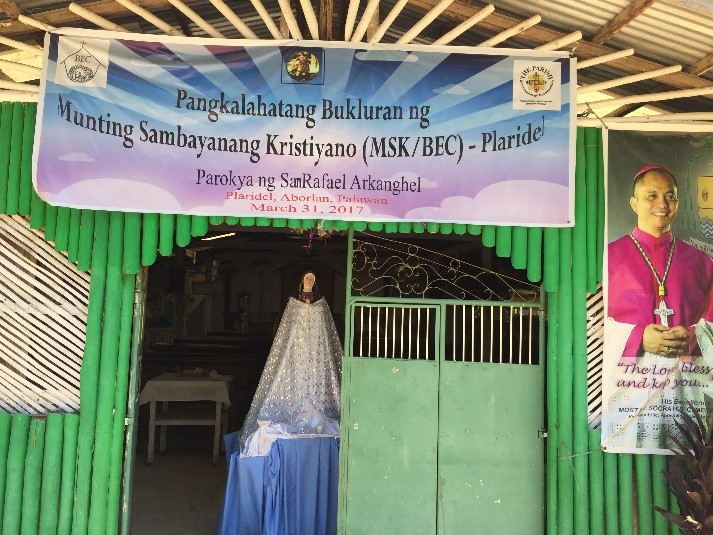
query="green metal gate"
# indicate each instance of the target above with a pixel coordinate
(442, 417)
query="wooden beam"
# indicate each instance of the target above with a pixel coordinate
(9, 7)
(701, 66)
(326, 19)
(633, 10)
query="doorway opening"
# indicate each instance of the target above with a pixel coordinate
(213, 307)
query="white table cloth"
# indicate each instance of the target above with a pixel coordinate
(187, 386)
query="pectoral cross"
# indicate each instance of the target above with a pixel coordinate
(664, 312)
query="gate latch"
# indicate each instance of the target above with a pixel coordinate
(541, 433)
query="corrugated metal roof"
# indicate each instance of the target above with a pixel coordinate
(668, 32)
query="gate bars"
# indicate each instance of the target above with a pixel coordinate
(39, 492)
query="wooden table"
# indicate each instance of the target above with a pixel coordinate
(186, 386)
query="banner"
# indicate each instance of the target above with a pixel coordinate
(311, 130)
(658, 335)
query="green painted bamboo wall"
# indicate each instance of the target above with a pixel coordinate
(64, 475)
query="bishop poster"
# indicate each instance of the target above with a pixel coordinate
(658, 332)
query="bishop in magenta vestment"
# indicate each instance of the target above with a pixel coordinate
(633, 289)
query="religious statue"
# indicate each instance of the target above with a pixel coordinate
(299, 390)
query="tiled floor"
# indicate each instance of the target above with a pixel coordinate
(181, 494)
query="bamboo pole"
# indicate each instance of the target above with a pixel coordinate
(310, 18)
(580, 431)
(534, 254)
(35, 23)
(86, 237)
(365, 20)
(14, 478)
(552, 451)
(701, 117)
(611, 497)
(234, 19)
(422, 24)
(503, 241)
(591, 156)
(69, 466)
(89, 375)
(22, 67)
(33, 478)
(460, 228)
(121, 397)
(488, 236)
(150, 17)
(5, 143)
(75, 217)
(199, 225)
(183, 230)
(5, 425)
(378, 226)
(626, 494)
(550, 278)
(618, 82)
(167, 223)
(289, 18)
(149, 239)
(387, 22)
(28, 137)
(13, 180)
(596, 483)
(507, 34)
(95, 19)
(37, 211)
(250, 221)
(105, 410)
(445, 228)
(606, 58)
(18, 86)
(51, 473)
(565, 377)
(651, 97)
(232, 220)
(562, 41)
(675, 509)
(216, 219)
(137, 323)
(644, 498)
(19, 45)
(518, 256)
(267, 19)
(464, 26)
(132, 243)
(659, 493)
(50, 222)
(351, 19)
(600, 208)
(196, 18)
(61, 240)
(392, 227)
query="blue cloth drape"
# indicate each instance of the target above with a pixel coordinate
(292, 491)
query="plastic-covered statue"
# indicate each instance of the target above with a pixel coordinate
(299, 390)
